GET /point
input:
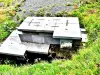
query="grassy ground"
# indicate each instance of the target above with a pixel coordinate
(85, 62)
(7, 24)
(7, 2)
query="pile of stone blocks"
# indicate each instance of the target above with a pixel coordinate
(36, 34)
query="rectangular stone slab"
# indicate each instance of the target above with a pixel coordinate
(73, 20)
(26, 37)
(25, 26)
(65, 43)
(50, 40)
(41, 24)
(12, 45)
(39, 38)
(84, 35)
(12, 48)
(71, 31)
(37, 48)
(28, 19)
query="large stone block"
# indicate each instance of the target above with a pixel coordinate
(37, 48)
(12, 45)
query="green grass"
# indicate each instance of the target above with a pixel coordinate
(7, 2)
(10, 2)
(85, 62)
(6, 15)
(6, 28)
(6, 22)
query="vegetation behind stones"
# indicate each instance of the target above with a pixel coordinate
(85, 62)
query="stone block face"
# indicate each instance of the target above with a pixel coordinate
(37, 48)
(12, 45)
(65, 43)
(36, 34)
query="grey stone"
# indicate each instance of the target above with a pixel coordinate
(42, 24)
(40, 33)
(29, 19)
(37, 48)
(50, 40)
(84, 35)
(73, 20)
(65, 43)
(39, 38)
(71, 31)
(26, 38)
(12, 45)
(83, 30)
(12, 48)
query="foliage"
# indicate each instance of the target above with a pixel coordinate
(89, 18)
(40, 12)
(6, 22)
(2, 14)
(7, 2)
(61, 14)
(11, 2)
(85, 62)
(49, 14)
(68, 4)
(6, 28)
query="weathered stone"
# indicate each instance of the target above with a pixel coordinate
(84, 35)
(65, 43)
(12, 45)
(37, 48)
(71, 31)
(39, 32)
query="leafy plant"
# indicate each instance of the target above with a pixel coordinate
(6, 28)
(61, 14)
(49, 14)
(40, 12)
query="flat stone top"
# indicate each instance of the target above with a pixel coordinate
(71, 31)
(45, 24)
(61, 27)
(12, 45)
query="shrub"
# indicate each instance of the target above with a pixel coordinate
(68, 4)
(23, 0)
(24, 11)
(61, 14)
(31, 10)
(21, 20)
(3, 14)
(6, 28)
(17, 17)
(49, 14)
(17, 9)
(9, 25)
(40, 12)
(18, 5)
